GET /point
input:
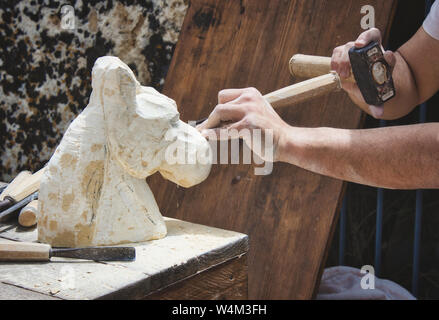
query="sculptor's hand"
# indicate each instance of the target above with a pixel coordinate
(244, 109)
(340, 62)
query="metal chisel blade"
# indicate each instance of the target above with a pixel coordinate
(4, 214)
(96, 253)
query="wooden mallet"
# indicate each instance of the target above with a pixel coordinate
(370, 71)
(307, 66)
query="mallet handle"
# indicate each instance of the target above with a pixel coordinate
(306, 66)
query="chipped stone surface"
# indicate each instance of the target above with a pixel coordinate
(45, 70)
(93, 191)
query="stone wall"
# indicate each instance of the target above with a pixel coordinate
(45, 68)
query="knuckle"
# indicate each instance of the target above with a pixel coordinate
(219, 108)
(223, 94)
(337, 52)
(372, 33)
(252, 91)
(245, 122)
(247, 96)
(223, 108)
(240, 125)
(219, 111)
(248, 120)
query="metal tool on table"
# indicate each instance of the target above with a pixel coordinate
(370, 71)
(5, 214)
(17, 191)
(30, 251)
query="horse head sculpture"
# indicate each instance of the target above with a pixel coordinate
(93, 191)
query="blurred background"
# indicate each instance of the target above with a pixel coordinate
(45, 66)
(45, 83)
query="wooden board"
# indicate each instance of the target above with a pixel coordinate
(187, 251)
(290, 215)
(227, 281)
(11, 292)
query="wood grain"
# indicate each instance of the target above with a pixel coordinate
(227, 281)
(11, 292)
(304, 91)
(290, 215)
(307, 66)
(24, 251)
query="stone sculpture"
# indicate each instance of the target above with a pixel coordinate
(93, 191)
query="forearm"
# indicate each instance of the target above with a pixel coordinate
(394, 157)
(407, 96)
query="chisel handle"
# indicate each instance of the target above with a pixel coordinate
(304, 90)
(29, 214)
(299, 92)
(307, 66)
(24, 251)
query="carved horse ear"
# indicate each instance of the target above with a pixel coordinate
(128, 85)
(115, 82)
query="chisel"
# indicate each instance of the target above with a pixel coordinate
(30, 251)
(20, 204)
(301, 91)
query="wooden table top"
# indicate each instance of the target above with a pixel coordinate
(187, 250)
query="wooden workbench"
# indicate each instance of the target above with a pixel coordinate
(192, 262)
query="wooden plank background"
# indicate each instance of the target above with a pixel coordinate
(289, 215)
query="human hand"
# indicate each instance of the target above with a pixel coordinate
(240, 109)
(340, 62)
